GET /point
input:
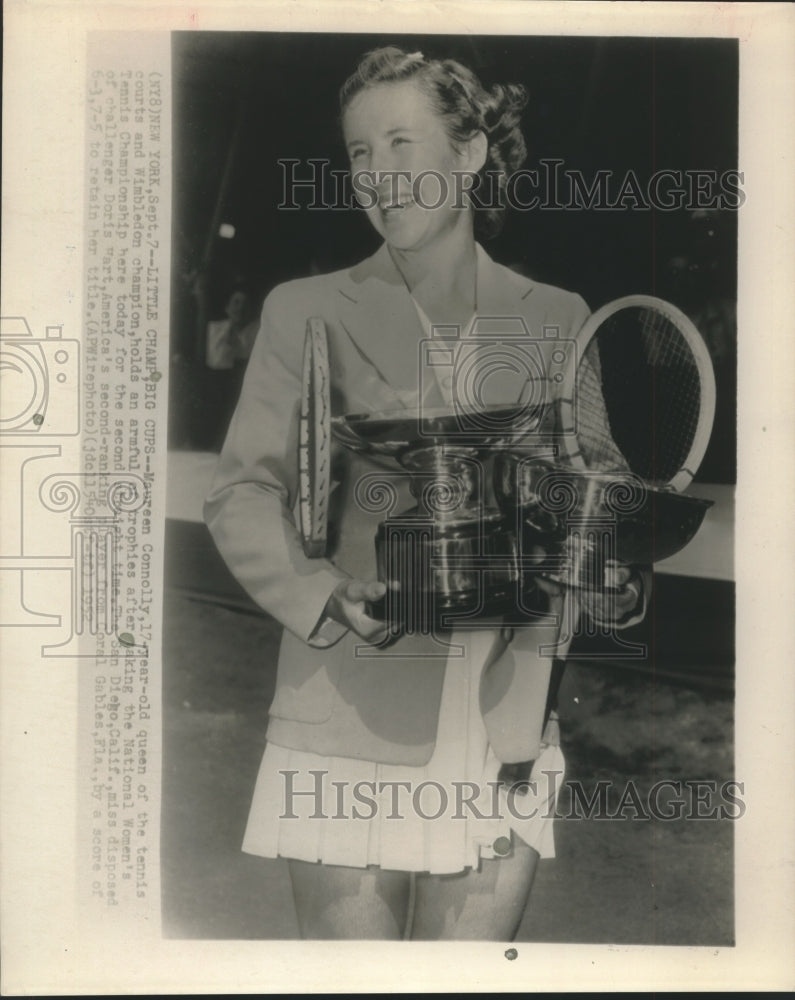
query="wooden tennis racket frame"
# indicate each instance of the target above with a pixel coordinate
(314, 441)
(567, 403)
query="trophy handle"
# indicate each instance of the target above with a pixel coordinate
(314, 441)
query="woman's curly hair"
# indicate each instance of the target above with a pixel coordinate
(465, 106)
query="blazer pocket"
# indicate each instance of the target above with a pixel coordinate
(307, 680)
(395, 692)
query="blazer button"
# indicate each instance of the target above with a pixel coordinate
(502, 846)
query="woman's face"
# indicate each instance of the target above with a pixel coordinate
(392, 127)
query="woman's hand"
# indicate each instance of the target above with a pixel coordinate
(347, 606)
(620, 602)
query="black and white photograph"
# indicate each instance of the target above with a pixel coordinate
(396, 434)
(449, 632)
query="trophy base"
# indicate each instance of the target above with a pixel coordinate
(431, 613)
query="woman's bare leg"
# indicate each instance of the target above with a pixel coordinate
(335, 902)
(484, 905)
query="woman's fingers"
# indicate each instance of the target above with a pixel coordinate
(372, 631)
(354, 591)
(347, 606)
(374, 590)
(612, 606)
(369, 629)
(617, 575)
(364, 590)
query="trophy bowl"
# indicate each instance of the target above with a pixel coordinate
(641, 524)
(392, 432)
(452, 558)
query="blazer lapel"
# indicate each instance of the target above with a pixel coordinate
(501, 292)
(378, 317)
(379, 320)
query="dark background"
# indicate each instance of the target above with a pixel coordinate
(244, 101)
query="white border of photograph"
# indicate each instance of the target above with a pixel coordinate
(44, 947)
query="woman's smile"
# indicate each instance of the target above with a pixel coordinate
(397, 212)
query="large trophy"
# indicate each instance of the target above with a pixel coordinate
(585, 468)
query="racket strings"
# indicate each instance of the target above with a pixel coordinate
(638, 396)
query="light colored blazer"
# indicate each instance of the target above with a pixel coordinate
(329, 699)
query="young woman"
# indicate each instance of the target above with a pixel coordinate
(360, 732)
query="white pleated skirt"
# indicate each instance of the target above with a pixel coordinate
(441, 817)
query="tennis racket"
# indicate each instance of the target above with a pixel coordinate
(635, 414)
(314, 441)
(639, 396)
